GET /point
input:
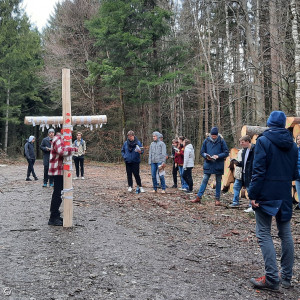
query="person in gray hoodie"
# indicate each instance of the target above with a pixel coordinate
(188, 164)
(157, 157)
(30, 156)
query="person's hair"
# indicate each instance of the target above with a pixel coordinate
(297, 137)
(187, 141)
(245, 138)
(174, 141)
(130, 132)
(79, 133)
(181, 138)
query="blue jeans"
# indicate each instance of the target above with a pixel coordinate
(263, 234)
(204, 184)
(184, 185)
(154, 169)
(236, 191)
(297, 183)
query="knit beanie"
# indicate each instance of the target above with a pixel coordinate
(51, 130)
(31, 138)
(214, 131)
(156, 133)
(276, 119)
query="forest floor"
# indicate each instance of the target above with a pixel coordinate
(126, 245)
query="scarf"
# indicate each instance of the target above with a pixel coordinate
(132, 144)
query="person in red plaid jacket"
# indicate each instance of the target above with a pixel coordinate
(57, 153)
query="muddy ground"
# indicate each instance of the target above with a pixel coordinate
(127, 246)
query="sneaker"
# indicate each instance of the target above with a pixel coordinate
(56, 222)
(263, 284)
(130, 189)
(234, 205)
(82, 177)
(181, 189)
(35, 178)
(153, 191)
(184, 190)
(45, 185)
(174, 186)
(142, 190)
(28, 179)
(286, 284)
(189, 192)
(249, 210)
(75, 178)
(51, 184)
(163, 192)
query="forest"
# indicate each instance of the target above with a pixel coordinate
(179, 67)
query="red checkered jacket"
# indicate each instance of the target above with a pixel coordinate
(57, 153)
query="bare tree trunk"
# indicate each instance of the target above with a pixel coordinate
(122, 106)
(253, 46)
(206, 102)
(6, 119)
(230, 75)
(295, 33)
(274, 41)
(200, 123)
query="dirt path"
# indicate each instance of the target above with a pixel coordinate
(126, 246)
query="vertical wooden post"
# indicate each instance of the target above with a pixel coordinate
(67, 131)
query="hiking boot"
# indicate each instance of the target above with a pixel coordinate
(286, 284)
(217, 202)
(45, 185)
(35, 178)
(263, 284)
(56, 222)
(28, 179)
(197, 200)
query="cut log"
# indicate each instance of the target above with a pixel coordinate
(231, 188)
(233, 153)
(228, 177)
(76, 120)
(296, 197)
(292, 121)
(252, 130)
(254, 138)
(242, 193)
(296, 130)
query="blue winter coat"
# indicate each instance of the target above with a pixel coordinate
(217, 147)
(274, 169)
(131, 156)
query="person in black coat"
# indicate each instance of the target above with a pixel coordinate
(274, 169)
(46, 147)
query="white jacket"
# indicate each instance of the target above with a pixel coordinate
(189, 156)
(238, 170)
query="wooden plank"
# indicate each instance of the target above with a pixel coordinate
(67, 133)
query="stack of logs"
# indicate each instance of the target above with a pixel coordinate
(292, 123)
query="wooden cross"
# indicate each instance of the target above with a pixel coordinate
(67, 121)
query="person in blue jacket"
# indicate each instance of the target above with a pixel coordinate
(274, 169)
(297, 182)
(131, 152)
(214, 150)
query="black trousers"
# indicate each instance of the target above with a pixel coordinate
(56, 196)
(133, 168)
(46, 176)
(174, 173)
(30, 168)
(187, 176)
(79, 160)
